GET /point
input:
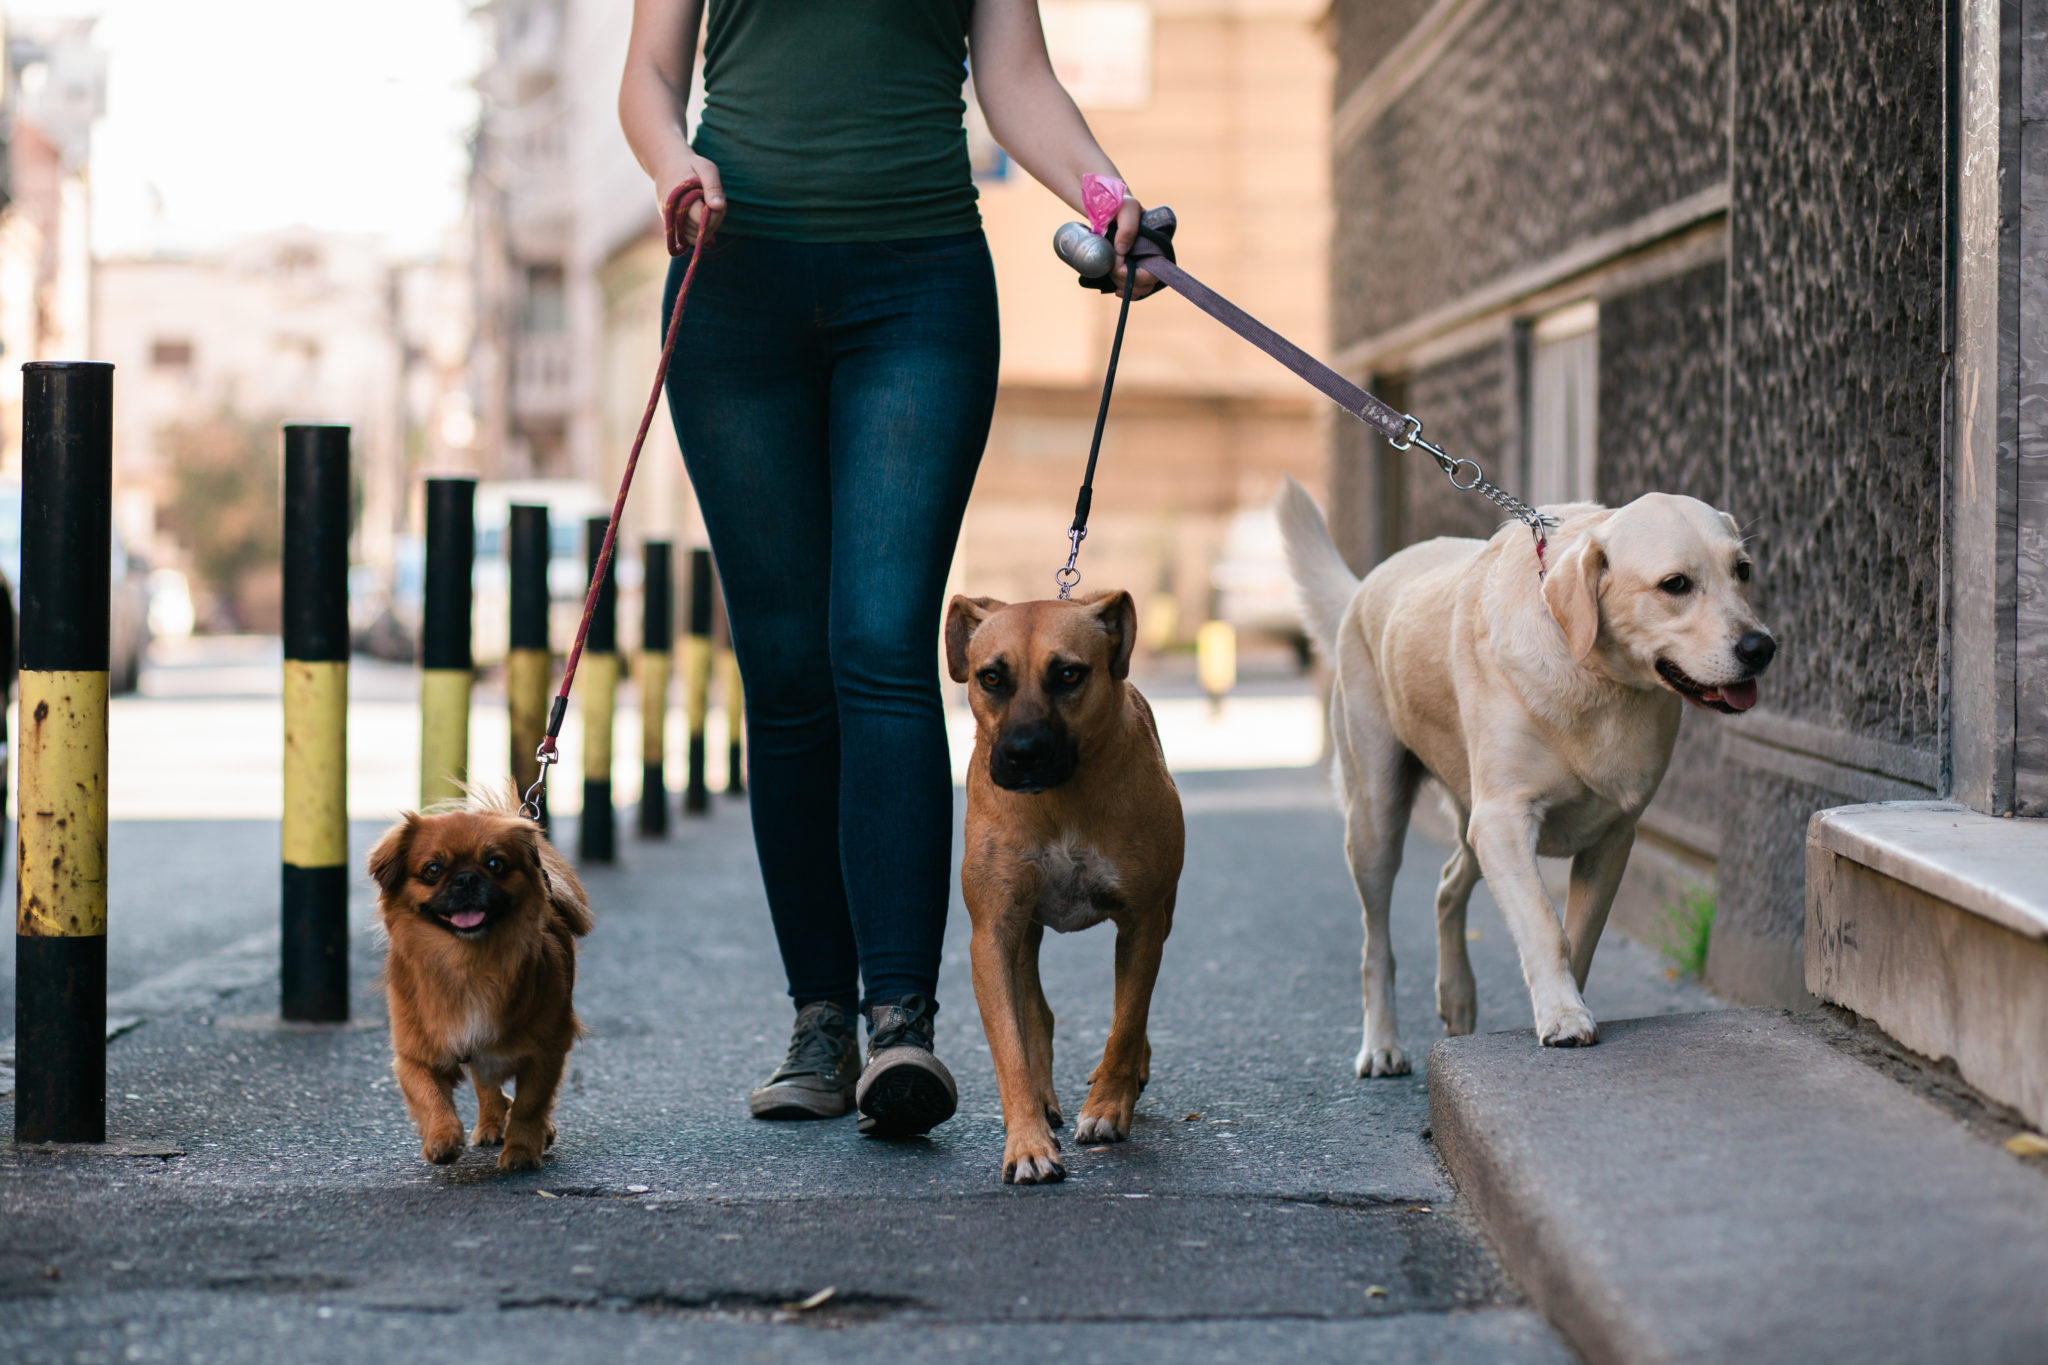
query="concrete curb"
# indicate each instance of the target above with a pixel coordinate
(1727, 1187)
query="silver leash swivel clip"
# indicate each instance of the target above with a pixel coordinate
(537, 794)
(1068, 576)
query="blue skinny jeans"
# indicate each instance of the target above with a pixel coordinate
(832, 401)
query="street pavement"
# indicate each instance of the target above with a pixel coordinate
(1269, 1206)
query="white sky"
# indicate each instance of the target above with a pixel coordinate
(232, 117)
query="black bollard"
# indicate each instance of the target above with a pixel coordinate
(599, 677)
(697, 679)
(529, 667)
(60, 944)
(734, 692)
(446, 670)
(657, 641)
(314, 909)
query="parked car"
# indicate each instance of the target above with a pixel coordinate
(128, 593)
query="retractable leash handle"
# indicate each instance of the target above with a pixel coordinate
(674, 218)
(1094, 256)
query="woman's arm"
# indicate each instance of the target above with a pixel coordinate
(653, 94)
(1034, 118)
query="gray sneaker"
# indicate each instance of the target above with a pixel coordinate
(905, 1090)
(816, 1079)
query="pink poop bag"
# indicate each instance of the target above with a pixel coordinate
(1101, 197)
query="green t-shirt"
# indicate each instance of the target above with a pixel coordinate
(839, 120)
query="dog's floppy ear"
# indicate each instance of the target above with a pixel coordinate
(1119, 617)
(1734, 528)
(558, 880)
(387, 859)
(1572, 592)
(964, 616)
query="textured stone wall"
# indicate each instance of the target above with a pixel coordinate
(1459, 402)
(1663, 389)
(1663, 409)
(1835, 257)
(1365, 32)
(1836, 436)
(1541, 125)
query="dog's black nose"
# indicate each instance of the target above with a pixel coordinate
(1026, 748)
(1755, 650)
(466, 880)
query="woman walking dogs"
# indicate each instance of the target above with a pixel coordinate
(831, 389)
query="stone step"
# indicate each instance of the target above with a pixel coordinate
(1931, 921)
(1731, 1187)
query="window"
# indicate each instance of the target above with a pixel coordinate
(170, 353)
(546, 308)
(1564, 357)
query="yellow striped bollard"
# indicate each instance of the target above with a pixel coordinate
(446, 668)
(60, 944)
(657, 641)
(598, 676)
(697, 679)
(529, 666)
(314, 908)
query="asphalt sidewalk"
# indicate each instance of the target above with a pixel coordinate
(1269, 1206)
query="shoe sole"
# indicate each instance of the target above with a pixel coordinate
(904, 1092)
(798, 1102)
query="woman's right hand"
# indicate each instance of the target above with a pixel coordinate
(700, 217)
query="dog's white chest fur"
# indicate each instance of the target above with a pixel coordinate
(1078, 887)
(471, 1040)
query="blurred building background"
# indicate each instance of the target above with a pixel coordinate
(1216, 107)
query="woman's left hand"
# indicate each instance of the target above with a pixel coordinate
(1125, 237)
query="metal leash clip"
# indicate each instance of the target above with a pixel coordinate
(1069, 576)
(537, 794)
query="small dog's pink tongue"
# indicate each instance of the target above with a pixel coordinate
(1740, 695)
(466, 919)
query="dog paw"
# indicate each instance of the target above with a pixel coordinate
(1032, 1161)
(443, 1149)
(549, 1143)
(519, 1156)
(1458, 1007)
(1571, 1026)
(489, 1133)
(1390, 1059)
(1053, 1117)
(1104, 1120)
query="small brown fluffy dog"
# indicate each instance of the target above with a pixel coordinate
(1072, 819)
(483, 916)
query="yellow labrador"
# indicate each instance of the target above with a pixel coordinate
(1545, 706)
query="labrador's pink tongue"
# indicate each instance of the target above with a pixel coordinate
(466, 919)
(1740, 695)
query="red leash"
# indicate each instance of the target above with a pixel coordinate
(681, 200)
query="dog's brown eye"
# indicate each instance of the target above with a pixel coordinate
(1071, 675)
(1742, 571)
(1678, 585)
(991, 678)
(495, 865)
(431, 872)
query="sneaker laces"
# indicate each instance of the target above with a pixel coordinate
(820, 1041)
(905, 1023)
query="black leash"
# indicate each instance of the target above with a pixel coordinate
(1159, 234)
(1153, 251)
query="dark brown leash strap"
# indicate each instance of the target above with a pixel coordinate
(1402, 431)
(681, 200)
(1153, 253)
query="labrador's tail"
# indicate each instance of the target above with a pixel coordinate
(1322, 579)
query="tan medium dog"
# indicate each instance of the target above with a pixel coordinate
(1071, 819)
(483, 916)
(1545, 707)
